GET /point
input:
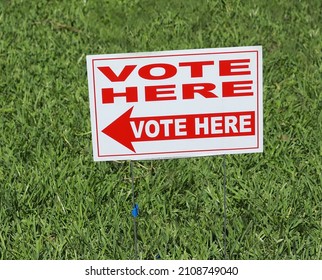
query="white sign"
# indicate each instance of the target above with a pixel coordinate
(169, 104)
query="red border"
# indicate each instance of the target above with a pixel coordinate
(95, 108)
(175, 152)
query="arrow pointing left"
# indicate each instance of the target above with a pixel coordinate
(126, 129)
(120, 130)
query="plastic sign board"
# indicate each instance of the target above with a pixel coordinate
(170, 104)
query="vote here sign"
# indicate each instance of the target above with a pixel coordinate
(182, 103)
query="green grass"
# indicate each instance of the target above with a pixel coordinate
(56, 203)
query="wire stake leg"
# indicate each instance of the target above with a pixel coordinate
(225, 208)
(134, 213)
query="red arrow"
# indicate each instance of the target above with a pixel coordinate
(120, 130)
(126, 129)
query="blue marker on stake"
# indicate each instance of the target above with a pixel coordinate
(135, 210)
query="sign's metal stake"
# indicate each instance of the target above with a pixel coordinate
(135, 212)
(225, 209)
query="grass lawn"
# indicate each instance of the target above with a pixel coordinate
(56, 203)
